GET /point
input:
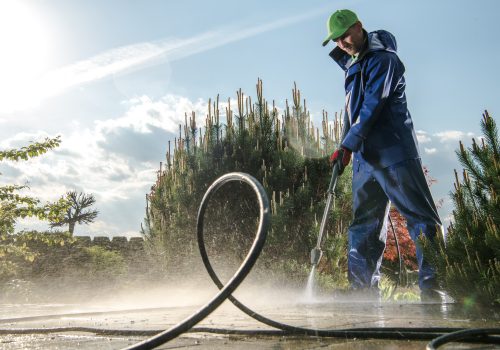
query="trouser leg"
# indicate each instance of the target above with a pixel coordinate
(405, 185)
(367, 233)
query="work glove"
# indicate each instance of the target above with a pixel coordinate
(341, 156)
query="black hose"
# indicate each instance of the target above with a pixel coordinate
(239, 276)
(396, 333)
(400, 258)
(469, 335)
(465, 334)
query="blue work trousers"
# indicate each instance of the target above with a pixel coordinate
(404, 185)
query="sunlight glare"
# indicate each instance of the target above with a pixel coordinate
(24, 41)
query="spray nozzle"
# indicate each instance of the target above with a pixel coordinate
(316, 254)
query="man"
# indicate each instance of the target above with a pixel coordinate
(386, 161)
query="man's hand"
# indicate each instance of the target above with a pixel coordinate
(342, 156)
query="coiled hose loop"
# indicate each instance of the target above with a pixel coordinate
(238, 277)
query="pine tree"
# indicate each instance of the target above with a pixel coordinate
(284, 152)
(78, 212)
(468, 261)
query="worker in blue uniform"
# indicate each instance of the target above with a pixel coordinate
(386, 161)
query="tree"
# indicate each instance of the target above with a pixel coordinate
(14, 206)
(468, 260)
(77, 213)
(286, 153)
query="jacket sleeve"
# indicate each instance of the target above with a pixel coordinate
(380, 83)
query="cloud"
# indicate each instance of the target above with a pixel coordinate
(133, 57)
(10, 171)
(116, 159)
(453, 135)
(23, 139)
(138, 146)
(430, 150)
(422, 136)
(143, 132)
(144, 114)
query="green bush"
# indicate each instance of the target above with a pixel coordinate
(468, 261)
(100, 264)
(285, 153)
(27, 254)
(41, 265)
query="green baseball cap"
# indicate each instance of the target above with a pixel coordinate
(338, 23)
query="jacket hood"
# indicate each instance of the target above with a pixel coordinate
(379, 40)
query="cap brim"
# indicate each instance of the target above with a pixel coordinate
(327, 40)
(335, 36)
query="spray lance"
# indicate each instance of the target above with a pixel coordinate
(316, 252)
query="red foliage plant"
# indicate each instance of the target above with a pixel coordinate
(406, 245)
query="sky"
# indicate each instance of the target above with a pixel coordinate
(114, 79)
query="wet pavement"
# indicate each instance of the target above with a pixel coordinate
(324, 313)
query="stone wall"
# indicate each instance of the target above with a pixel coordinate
(119, 243)
(132, 250)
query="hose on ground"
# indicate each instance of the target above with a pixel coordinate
(440, 335)
(479, 335)
(476, 334)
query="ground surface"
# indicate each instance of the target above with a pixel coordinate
(320, 313)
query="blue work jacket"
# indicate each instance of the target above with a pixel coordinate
(381, 129)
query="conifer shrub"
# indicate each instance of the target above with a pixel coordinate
(285, 152)
(468, 260)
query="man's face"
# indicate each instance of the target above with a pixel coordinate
(352, 40)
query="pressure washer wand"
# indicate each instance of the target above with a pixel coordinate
(316, 252)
